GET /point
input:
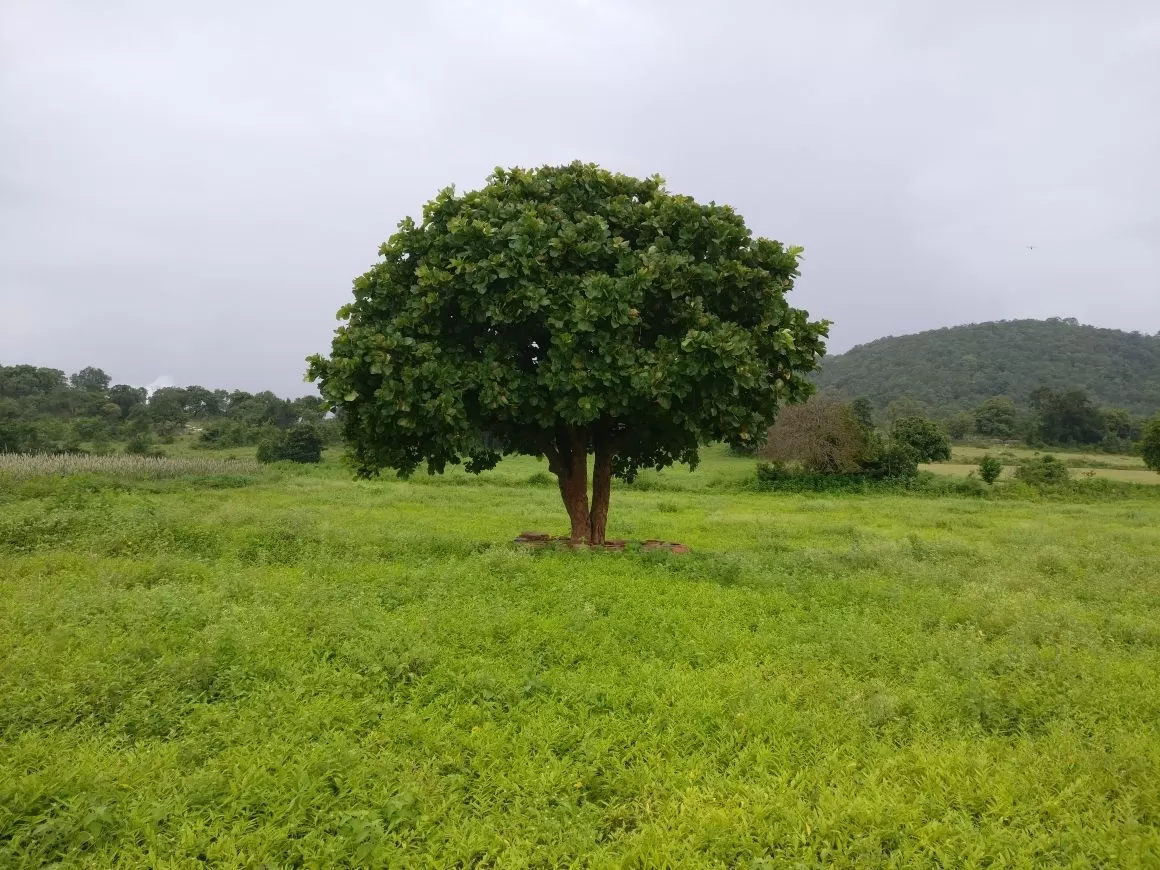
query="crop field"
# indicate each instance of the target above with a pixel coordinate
(286, 668)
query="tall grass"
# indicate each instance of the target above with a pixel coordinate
(21, 466)
(312, 672)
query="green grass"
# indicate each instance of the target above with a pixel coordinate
(293, 669)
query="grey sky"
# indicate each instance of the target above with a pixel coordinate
(187, 190)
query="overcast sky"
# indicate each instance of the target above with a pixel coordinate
(188, 189)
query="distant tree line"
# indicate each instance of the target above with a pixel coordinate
(43, 410)
(1044, 418)
(829, 435)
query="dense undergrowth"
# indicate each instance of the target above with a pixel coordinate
(292, 669)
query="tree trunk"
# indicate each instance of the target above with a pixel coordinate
(568, 460)
(601, 489)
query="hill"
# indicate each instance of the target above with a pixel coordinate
(957, 367)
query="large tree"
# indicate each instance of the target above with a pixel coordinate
(565, 311)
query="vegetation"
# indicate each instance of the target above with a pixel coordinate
(823, 435)
(299, 443)
(1150, 444)
(925, 438)
(562, 312)
(959, 368)
(990, 468)
(1044, 469)
(21, 466)
(205, 675)
(41, 410)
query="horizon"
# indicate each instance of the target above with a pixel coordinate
(308, 388)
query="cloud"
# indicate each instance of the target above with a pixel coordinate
(192, 188)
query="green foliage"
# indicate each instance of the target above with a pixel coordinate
(564, 310)
(863, 411)
(995, 417)
(959, 368)
(960, 424)
(1067, 418)
(142, 445)
(305, 671)
(1150, 443)
(990, 468)
(223, 434)
(41, 410)
(926, 439)
(299, 443)
(891, 459)
(1046, 469)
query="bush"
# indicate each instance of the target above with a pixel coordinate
(990, 468)
(823, 436)
(1150, 444)
(892, 460)
(228, 433)
(299, 443)
(1042, 470)
(924, 437)
(140, 445)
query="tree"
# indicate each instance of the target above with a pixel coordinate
(299, 443)
(90, 380)
(823, 435)
(126, 397)
(990, 468)
(562, 311)
(959, 425)
(925, 437)
(995, 417)
(1068, 418)
(863, 411)
(1150, 443)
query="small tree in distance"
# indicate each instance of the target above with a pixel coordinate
(1150, 443)
(925, 437)
(564, 311)
(990, 468)
(299, 443)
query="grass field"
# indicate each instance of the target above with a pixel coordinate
(285, 668)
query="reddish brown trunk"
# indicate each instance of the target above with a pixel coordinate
(569, 462)
(601, 489)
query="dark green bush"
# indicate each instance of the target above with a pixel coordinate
(924, 437)
(299, 443)
(1045, 469)
(141, 445)
(892, 460)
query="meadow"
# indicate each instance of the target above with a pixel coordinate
(281, 667)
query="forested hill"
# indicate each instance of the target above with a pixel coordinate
(957, 368)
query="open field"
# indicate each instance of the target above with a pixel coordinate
(1076, 458)
(1124, 475)
(292, 669)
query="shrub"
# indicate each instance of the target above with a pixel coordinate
(1150, 444)
(892, 460)
(140, 445)
(823, 436)
(299, 443)
(1042, 470)
(924, 437)
(990, 468)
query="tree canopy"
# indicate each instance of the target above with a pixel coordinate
(564, 310)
